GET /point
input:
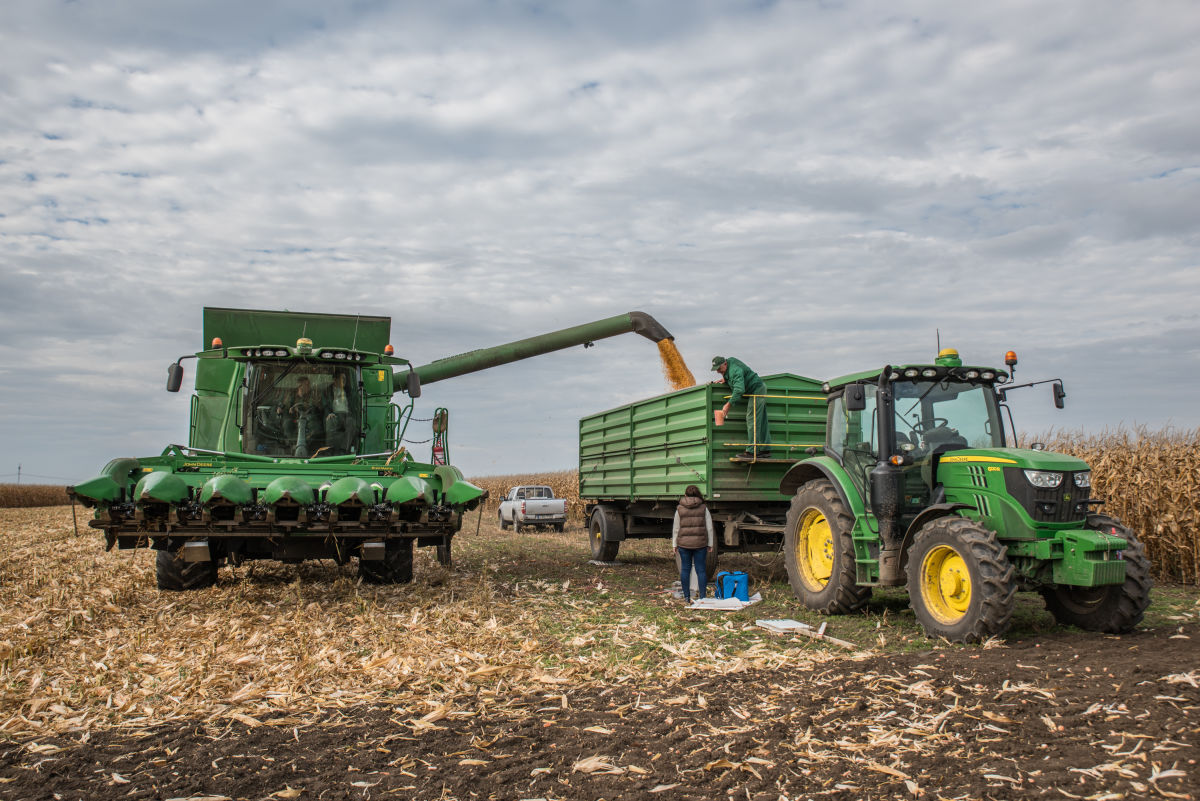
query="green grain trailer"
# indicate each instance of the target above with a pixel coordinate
(635, 462)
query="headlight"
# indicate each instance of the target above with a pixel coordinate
(1043, 479)
(911, 372)
(987, 375)
(1083, 479)
(339, 355)
(281, 353)
(972, 375)
(929, 372)
(326, 354)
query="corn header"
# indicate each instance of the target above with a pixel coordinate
(296, 449)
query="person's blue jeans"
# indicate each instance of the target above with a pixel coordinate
(688, 557)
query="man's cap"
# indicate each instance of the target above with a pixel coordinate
(718, 361)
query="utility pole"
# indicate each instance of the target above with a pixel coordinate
(18, 474)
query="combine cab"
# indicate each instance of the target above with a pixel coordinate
(295, 450)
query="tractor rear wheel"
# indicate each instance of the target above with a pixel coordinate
(960, 583)
(176, 575)
(600, 527)
(1113, 608)
(396, 567)
(819, 551)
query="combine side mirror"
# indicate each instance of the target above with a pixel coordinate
(174, 377)
(1059, 394)
(414, 385)
(856, 399)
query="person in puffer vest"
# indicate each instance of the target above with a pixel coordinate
(692, 539)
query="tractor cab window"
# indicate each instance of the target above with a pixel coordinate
(297, 409)
(936, 417)
(853, 437)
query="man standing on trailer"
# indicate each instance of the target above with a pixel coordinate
(743, 381)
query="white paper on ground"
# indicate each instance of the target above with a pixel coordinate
(725, 604)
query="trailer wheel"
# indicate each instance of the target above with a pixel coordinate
(176, 575)
(819, 552)
(960, 583)
(603, 520)
(1113, 608)
(396, 567)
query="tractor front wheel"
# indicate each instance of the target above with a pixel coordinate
(396, 567)
(960, 583)
(819, 551)
(176, 575)
(1112, 608)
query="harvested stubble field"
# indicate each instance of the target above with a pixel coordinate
(524, 672)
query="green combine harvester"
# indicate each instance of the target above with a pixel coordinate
(295, 450)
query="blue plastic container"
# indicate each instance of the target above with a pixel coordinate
(733, 584)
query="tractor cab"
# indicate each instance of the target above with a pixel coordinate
(909, 417)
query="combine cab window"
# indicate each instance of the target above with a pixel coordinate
(303, 410)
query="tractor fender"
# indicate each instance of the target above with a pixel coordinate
(930, 513)
(820, 467)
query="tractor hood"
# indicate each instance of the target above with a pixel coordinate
(1024, 458)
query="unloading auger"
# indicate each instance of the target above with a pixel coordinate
(295, 449)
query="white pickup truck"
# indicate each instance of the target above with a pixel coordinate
(533, 506)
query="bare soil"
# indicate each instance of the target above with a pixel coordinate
(1072, 715)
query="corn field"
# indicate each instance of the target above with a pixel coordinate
(19, 496)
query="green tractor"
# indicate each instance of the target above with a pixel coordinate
(297, 450)
(919, 486)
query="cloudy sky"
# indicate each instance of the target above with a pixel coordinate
(815, 187)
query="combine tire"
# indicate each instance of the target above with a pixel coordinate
(176, 575)
(1114, 608)
(960, 583)
(396, 567)
(819, 551)
(602, 522)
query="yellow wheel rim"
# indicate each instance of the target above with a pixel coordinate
(814, 549)
(945, 584)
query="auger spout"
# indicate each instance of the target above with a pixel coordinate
(473, 361)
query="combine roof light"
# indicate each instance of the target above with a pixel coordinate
(388, 350)
(929, 372)
(339, 355)
(281, 353)
(326, 354)
(217, 343)
(825, 387)
(911, 372)
(972, 375)
(987, 375)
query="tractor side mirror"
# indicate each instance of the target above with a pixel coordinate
(174, 377)
(1059, 394)
(414, 385)
(856, 398)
